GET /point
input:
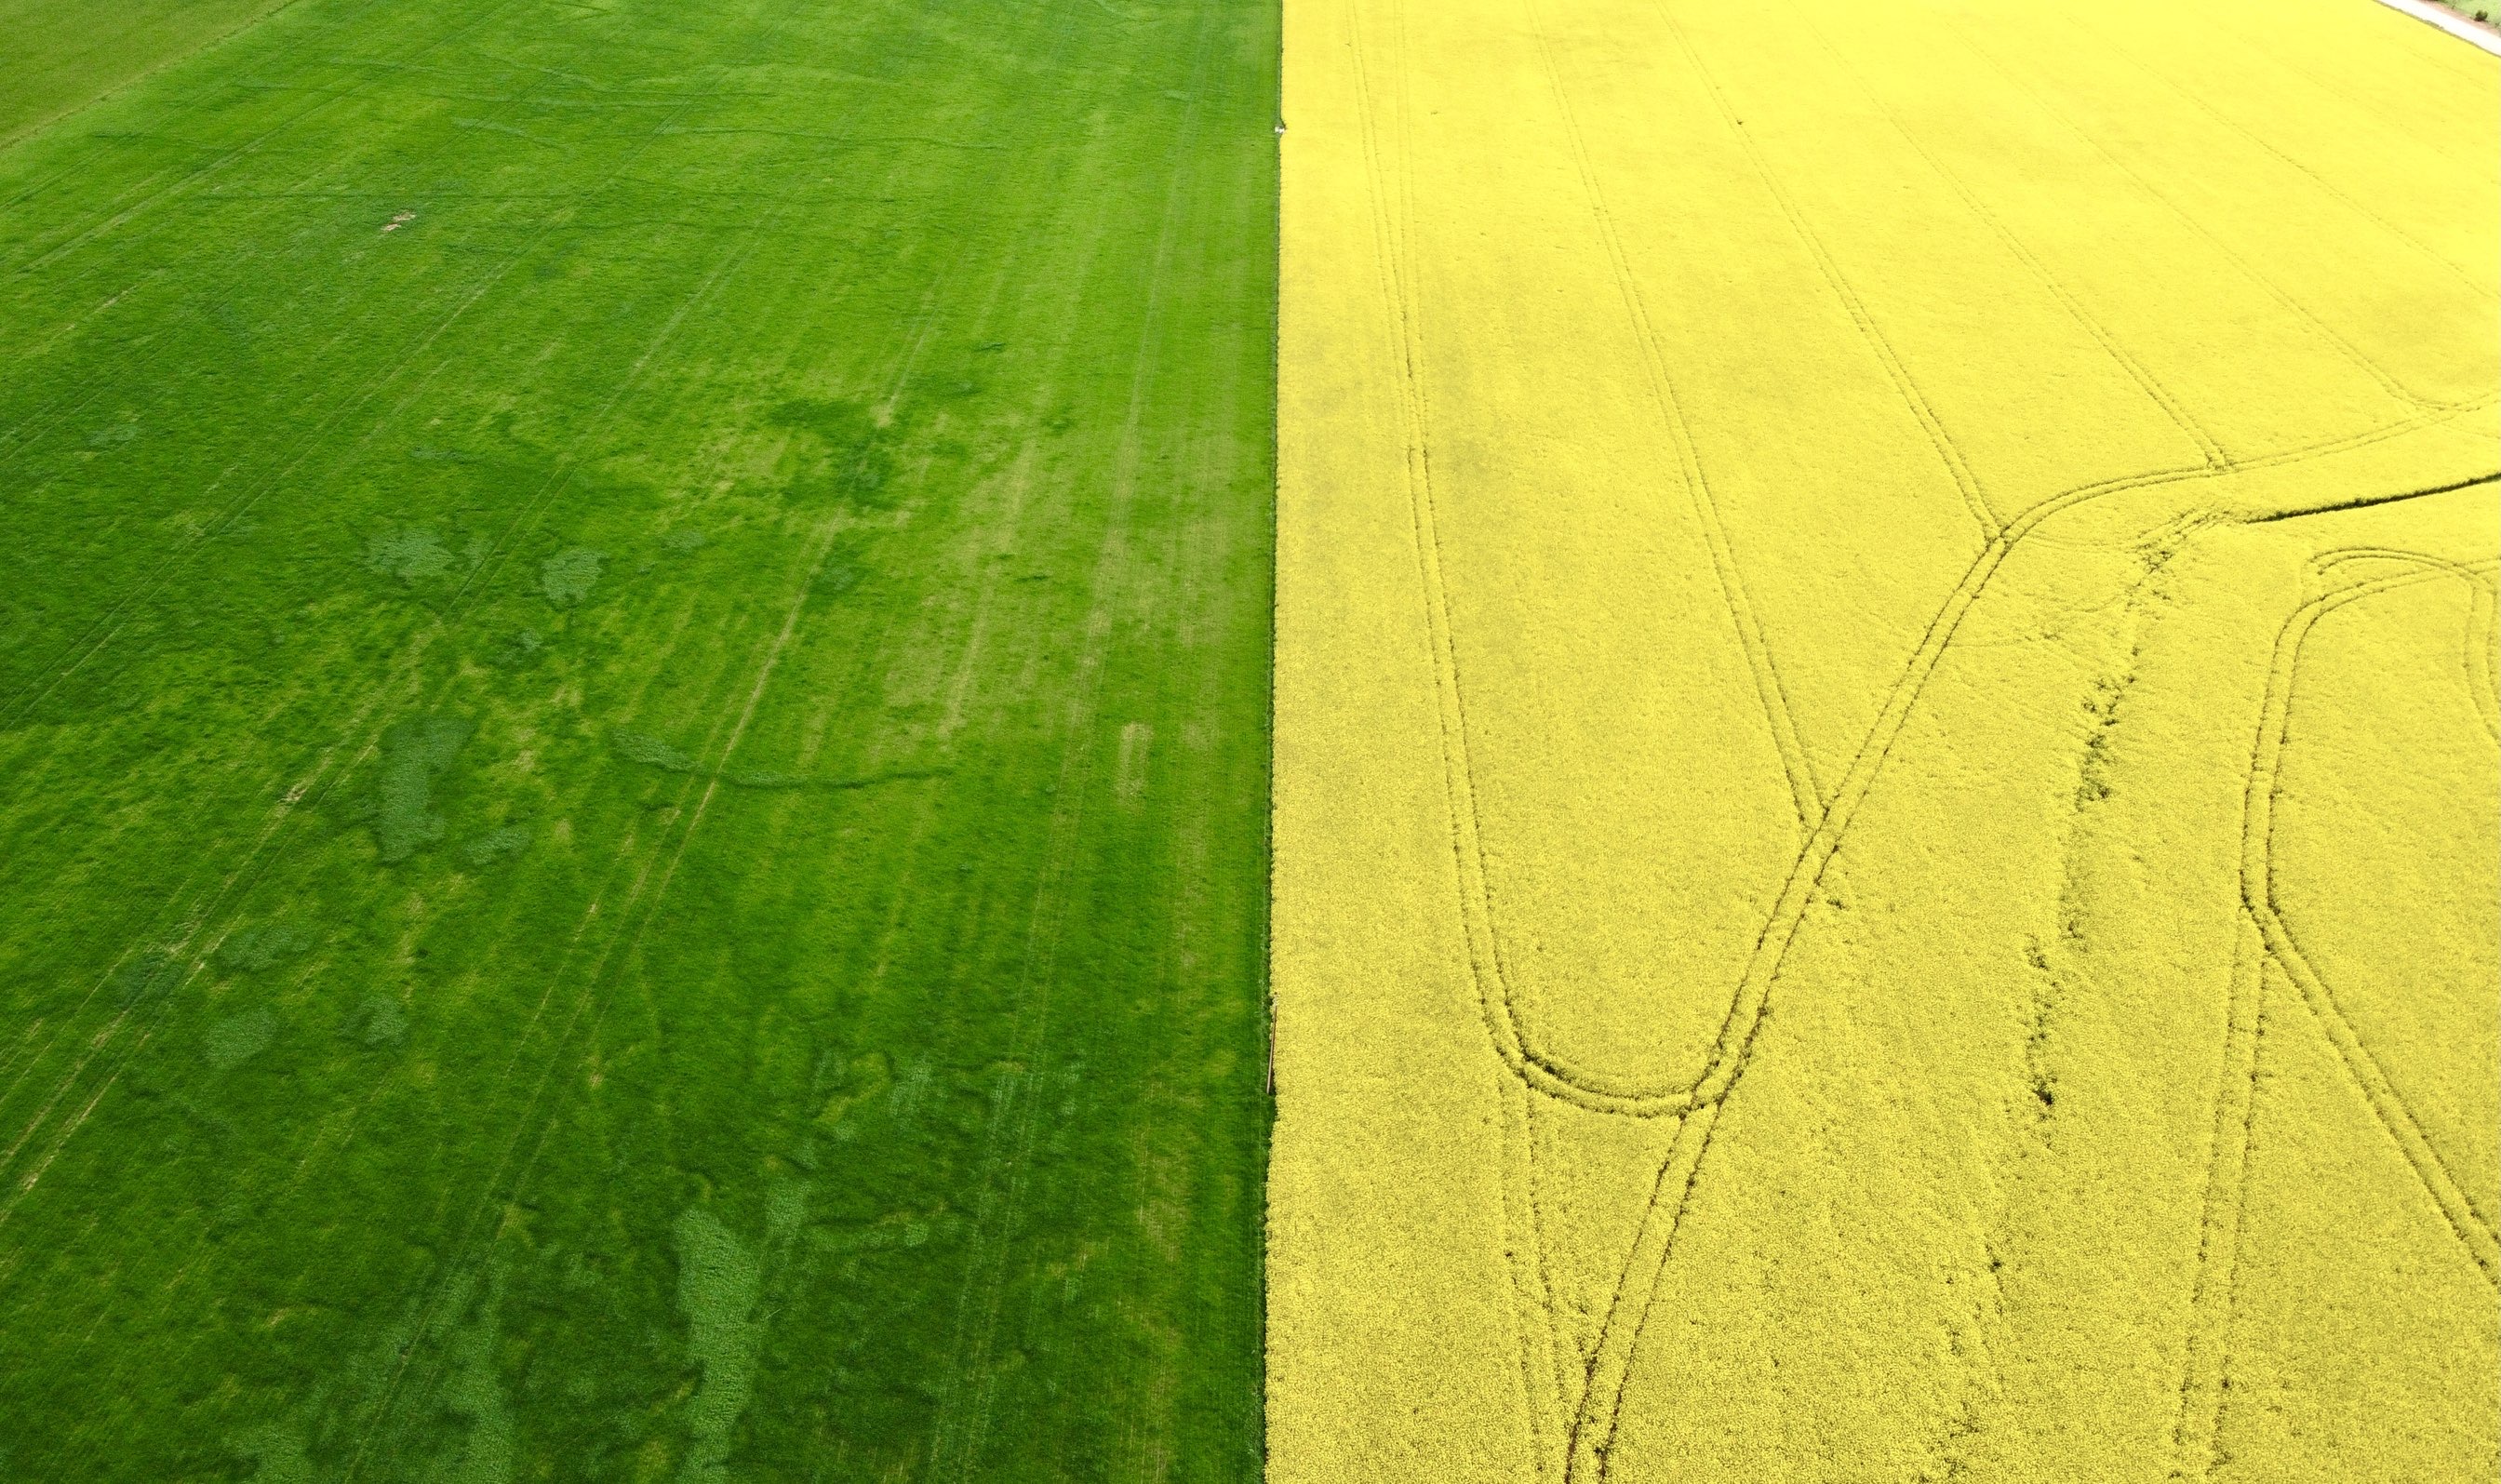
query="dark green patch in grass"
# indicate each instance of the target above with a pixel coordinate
(146, 975)
(582, 891)
(413, 754)
(568, 577)
(652, 752)
(377, 1020)
(520, 649)
(410, 555)
(238, 1039)
(496, 845)
(263, 945)
(843, 454)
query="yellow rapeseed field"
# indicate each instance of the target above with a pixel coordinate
(1887, 786)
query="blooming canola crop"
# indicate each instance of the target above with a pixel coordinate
(1886, 782)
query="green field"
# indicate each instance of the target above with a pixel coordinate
(633, 650)
(60, 55)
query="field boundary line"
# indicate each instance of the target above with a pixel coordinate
(2454, 24)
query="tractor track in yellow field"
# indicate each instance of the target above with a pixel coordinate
(1650, 1253)
(1696, 1101)
(2472, 1225)
(2202, 1387)
(1827, 808)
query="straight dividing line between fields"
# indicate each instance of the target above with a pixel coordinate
(1265, 910)
(1387, 222)
(2457, 25)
